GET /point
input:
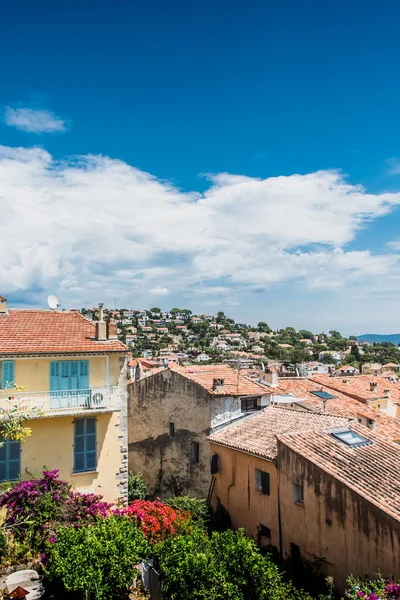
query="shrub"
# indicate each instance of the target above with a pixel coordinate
(35, 507)
(137, 489)
(97, 558)
(373, 589)
(198, 509)
(225, 566)
(157, 520)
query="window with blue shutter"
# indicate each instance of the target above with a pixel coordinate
(7, 374)
(85, 447)
(10, 459)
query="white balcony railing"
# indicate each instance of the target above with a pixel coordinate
(65, 402)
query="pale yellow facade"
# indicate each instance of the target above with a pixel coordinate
(51, 444)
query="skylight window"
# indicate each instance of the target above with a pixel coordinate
(350, 438)
(323, 395)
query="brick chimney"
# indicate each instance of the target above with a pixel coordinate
(112, 329)
(271, 376)
(373, 385)
(367, 421)
(218, 385)
(3, 305)
(101, 327)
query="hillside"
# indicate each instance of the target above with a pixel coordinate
(394, 338)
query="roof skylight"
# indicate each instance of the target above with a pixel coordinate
(350, 438)
(323, 395)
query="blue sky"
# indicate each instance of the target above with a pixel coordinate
(302, 99)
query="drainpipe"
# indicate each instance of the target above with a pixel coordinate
(279, 514)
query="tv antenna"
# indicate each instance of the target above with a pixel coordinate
(52, 301)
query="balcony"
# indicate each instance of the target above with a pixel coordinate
(61, 403)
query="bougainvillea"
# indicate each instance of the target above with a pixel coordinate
(157, 520)
(35, 507)
(373, 589)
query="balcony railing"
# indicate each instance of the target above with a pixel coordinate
(64, 402)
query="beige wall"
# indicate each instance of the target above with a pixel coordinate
(236, 489)
(335, 524)
(34, 373)
(164, 461)
(52, 445)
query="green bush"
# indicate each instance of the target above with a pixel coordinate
(97, 558)
(136, 487)
(198, 509)
(225, 566)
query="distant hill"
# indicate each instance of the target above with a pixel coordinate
(375, 337)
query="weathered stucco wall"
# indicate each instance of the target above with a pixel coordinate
(335, 524)
(165, 461)
(235, 487)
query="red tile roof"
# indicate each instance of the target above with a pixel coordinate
(234, 384)
(372, 471)
(50, 332)
(257, 433)
(358, 386)
(341, 405)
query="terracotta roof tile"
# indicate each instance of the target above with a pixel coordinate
(50, 332)
(373, 470)
(341, 405)
(358, 386)
(257, 433)
(234, 384)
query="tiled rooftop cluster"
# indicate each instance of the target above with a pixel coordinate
(234, 384)
(359, 386)
(50, 332)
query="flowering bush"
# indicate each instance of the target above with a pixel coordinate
(35, 507)
(373, 589)
(157, 520)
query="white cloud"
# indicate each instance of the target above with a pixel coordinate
(96, 228)
(34, 121)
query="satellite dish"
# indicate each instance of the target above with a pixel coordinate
(52, 301)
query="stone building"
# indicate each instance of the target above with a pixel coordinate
(170, 415)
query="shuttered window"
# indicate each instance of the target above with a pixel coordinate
(10, 459)
(262, 482)
(7, 374)
(85, 447)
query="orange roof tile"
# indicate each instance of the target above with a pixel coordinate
(341, 405)
(372, 470)
(358, 386)
(257, 433)
(50, 332)
(234, 383)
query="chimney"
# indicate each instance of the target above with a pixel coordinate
(373, 385)
(367, 421)
(112, 329)
(345, 381)
(271, 377)
(3, 306)
(101, 327)
(218, 385)
(387, 392)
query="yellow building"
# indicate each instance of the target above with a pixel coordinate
(312, 485)
(74, 379)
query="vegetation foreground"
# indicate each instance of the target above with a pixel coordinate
(87, 548)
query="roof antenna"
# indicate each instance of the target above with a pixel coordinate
(52, 301)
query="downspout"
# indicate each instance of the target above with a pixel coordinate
(279, 514)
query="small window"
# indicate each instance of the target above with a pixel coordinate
(195, 453)
(214, 464)
(10, 459)
(350, 438)
(172, 429)
(264, 531)
(248, 404)
(262, 482)
(85, 446)
(298, 493)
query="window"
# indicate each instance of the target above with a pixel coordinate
(7, 374)
(262, 482)
(195, 453)
(85, 447)
(172, 429)
(298, 493)
(10, 460)
(264, 531)
(350, 438)
(214, 464)
(248, 404)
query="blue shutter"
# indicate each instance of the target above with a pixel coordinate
(54, 376)
(7, 374)
(10, 460)
(83, 375)
(85, 447)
